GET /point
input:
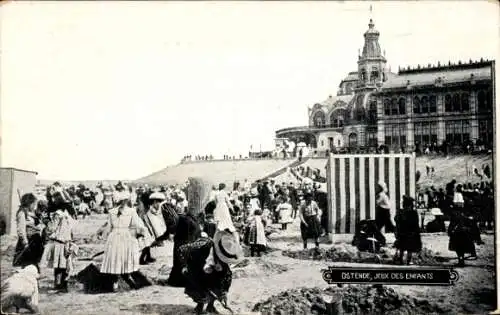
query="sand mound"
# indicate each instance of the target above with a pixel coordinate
(355, 300)
(348, 253)
(257, 268)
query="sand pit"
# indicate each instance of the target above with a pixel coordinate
(249, 267)
(257, 267)
(355, 300)
(348, 253)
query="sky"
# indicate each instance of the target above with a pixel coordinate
(118, 90)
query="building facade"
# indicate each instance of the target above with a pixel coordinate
(443, 105)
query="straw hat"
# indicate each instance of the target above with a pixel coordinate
(157, 196)
(227, 247)
(436, 211)
(121, 195)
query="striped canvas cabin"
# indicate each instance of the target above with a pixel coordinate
(352, 179)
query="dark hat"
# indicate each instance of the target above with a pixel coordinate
(408, 200)
(27, 199)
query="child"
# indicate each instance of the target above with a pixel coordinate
(285, 212)
(58, 253)
(257, 236)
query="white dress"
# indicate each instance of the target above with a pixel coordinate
(285, 213)
(54, 255)
(222, 216)
(121, 254)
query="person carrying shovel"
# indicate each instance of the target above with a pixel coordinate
(207, 269)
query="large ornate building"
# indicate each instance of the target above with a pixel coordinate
(430, 105)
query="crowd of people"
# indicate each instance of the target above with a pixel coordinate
(207, 241)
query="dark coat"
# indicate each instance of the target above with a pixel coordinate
(408, 231)
(200, 285)
(186, 231)
(462, 235)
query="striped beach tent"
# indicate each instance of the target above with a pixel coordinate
(352, 180)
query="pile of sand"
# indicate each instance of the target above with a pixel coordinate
(257, 268)
(348, 253)
(354, 300)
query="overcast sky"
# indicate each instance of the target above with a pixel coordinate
(117, 90)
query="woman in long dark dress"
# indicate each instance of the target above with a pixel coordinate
(407, 230)
(29, 247)
(187, 230)
(310, 226)
(462, 236)
(207, 271)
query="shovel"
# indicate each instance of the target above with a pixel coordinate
(373, 240)
(91, 258)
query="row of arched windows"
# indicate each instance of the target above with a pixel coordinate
(394, 106)
(424, 104)
(456, 102)
(337, 118)
(374, 74)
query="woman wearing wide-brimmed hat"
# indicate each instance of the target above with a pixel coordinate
(407, 230)
(121, 252)
(155, 228)
(310, 226)
(207, 271)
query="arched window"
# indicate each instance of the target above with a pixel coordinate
(319, 119)
(372, 112)
(416, 105)
(394, 106)
(481, 100)
(359, 114)
(465, 102)
(447, 103)
(387, 107)
(424, 105)
(337, 118)
(489, 99)
(432, 104)
(348, 88)
(402, 106)
(456, 102)
(374, 75)
(363, 75)
(353, 140)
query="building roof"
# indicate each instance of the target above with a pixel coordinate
(18, 170)
(352, 76)
(430, 77)
(333, 101)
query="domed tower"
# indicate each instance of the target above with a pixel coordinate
(371, 63)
